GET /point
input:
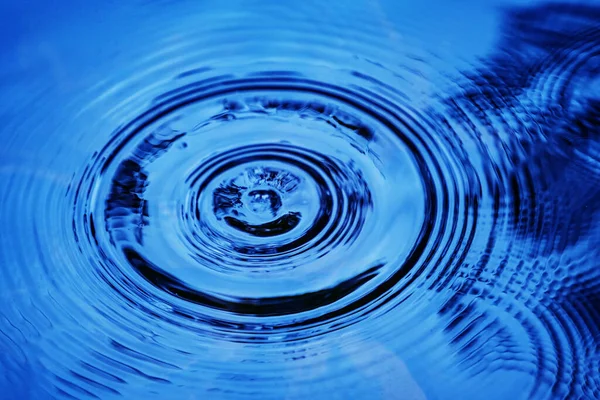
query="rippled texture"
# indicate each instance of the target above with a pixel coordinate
(260, 200)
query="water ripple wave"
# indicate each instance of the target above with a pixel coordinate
(270, 203)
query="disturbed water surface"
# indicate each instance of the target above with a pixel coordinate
(260, 200)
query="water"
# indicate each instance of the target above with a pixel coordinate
(260, 200)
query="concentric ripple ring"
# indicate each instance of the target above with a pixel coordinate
(275, 210)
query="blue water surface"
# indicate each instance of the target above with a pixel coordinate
(299, 200)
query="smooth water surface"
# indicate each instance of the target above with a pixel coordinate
(276, 200)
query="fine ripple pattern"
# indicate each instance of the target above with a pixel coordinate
(260, 201)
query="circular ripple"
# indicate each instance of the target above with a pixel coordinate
(234, 228)
(279, 204)
(569, 73)
(549, 207)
